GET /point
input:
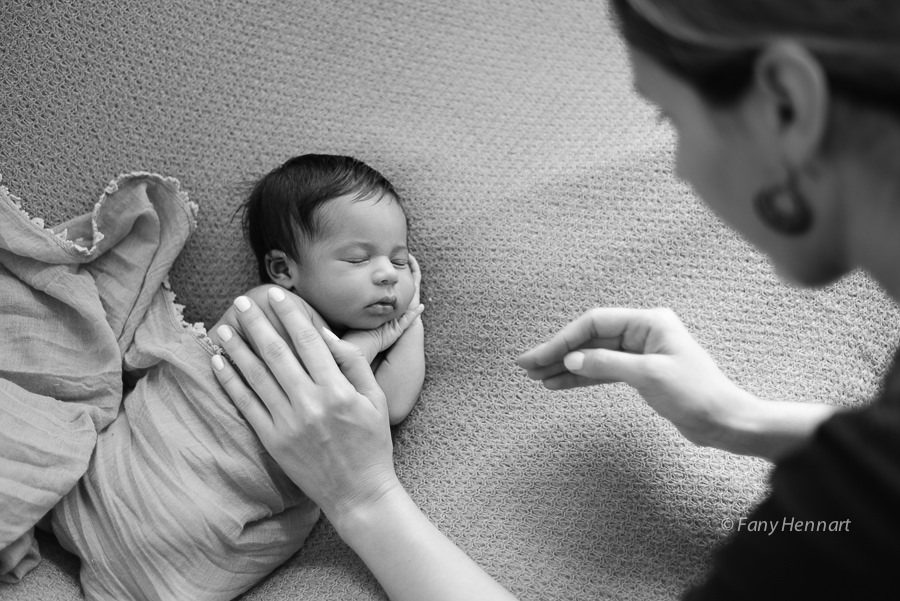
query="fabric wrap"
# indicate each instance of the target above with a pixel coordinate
(166, 494)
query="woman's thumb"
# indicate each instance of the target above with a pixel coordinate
(607, 365)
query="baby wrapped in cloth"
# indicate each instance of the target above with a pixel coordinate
(157, 483)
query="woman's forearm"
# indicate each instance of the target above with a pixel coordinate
(768, 429)
(409, 556)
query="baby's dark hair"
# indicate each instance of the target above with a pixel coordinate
(290, 196)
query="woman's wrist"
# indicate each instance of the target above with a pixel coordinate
(355, 514)
(409, 556)
(767, 429)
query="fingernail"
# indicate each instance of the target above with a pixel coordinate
(242, 303)
(276, 295)
(218, 362)
(224, 333)
(329, 334)
(574, 361)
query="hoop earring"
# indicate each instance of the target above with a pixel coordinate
(784, 208)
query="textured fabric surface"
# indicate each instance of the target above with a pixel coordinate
(71, 299)
(178, 500)
(536, 185)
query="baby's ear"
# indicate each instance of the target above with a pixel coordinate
(281, 268)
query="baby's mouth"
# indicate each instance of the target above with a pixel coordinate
(385, 303)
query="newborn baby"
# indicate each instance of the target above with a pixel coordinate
(332, 231)
(180, 500)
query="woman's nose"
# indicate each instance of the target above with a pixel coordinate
(385, 273)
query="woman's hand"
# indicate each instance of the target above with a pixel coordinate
(372, 342)
(327, 427)
(650, 350)
(326, 424)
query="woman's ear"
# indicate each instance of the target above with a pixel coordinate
(281, 268)
(794, 91)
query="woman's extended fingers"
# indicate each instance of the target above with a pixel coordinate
(585, 367)
(307, 342)
(270, 347)
(567, 380)
(255, 374)
(246, 400)
(610, 328)
(599, 326)
(540, 365)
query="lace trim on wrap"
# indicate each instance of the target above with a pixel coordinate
(86, 247)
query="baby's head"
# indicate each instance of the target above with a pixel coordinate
(332, 230)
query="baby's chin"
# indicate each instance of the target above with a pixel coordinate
(370, 322)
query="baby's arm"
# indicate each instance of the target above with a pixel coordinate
(401, 371)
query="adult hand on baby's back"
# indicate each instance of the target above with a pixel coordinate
(650, 350)
(325, 421)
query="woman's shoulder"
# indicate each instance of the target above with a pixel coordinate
(890, 389)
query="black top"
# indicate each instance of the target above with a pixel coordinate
(830, 529)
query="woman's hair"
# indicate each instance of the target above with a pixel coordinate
(712, 44)
(289, 198)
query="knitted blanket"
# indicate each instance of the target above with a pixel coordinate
(537, 185)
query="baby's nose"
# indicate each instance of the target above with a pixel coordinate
(386, 273)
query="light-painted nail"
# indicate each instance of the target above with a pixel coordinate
(329, 334)
(276, 295)
(242, 303)
(224, 333)
(218, 362)
(574, 361)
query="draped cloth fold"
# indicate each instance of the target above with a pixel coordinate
(110, 416)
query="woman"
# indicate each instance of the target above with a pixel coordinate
(788, 122)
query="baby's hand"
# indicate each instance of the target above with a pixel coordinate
(417, 281)
(372, 342)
